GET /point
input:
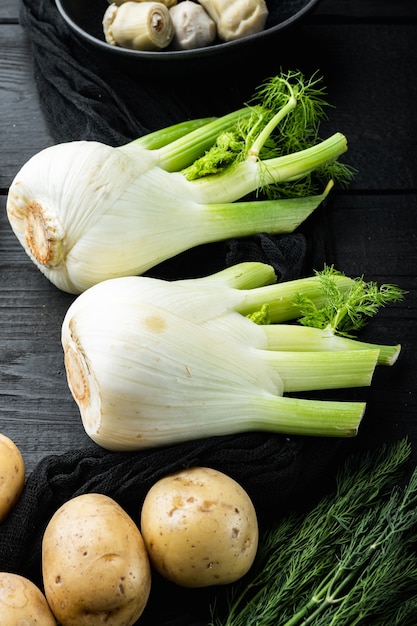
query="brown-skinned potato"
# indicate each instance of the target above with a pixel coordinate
(12, 475)
(200, 528)
(22, 603)
(94, 564)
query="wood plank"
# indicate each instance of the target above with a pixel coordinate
(9, 10)
(376, 236)
(22, 127)
(373, 108)
(366, 9)
(37, 410)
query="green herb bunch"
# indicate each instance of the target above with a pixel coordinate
(350, 561)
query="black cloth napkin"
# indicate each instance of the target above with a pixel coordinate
(82, 98)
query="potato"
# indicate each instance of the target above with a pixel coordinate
(94, 564)
(200, 528)
(12, 475)
(22, 603)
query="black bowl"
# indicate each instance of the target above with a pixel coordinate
(84, 18)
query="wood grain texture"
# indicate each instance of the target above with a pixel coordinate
(368, 72)
(376, 10)
(9, 11)
(23, 129)
(36, 409)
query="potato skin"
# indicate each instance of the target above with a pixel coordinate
(12, 475)
(200, 528)
(22, 603)
(94, 564)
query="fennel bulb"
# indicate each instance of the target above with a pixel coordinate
(151, 362)
(86, 212)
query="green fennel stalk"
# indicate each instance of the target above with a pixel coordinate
(327, 322)
(351, 560)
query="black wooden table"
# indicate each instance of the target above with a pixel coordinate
(367, 53)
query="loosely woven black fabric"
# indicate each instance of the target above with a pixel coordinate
(82, 99)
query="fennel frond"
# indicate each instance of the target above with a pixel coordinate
(285, 116)
(345, 312)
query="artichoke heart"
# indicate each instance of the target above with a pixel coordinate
(194, 28)
(138, 25)
(237, 18)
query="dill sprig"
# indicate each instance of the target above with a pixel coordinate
(343, 313)
(351, 560)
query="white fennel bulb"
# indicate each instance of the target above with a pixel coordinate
(152, 363)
